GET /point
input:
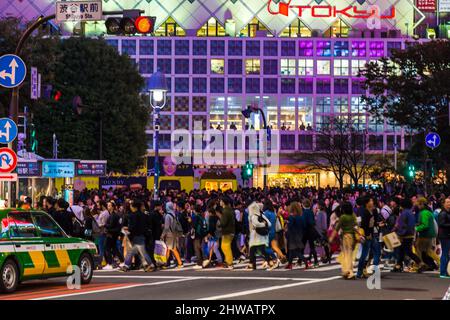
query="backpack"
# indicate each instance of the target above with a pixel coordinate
(176, 227)
(201, 229)
(262, 231)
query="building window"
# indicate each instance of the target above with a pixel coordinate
(287, 113)
(271, 48)
(181, 66)
(235, 48)
(234, 85)
(234, 113)
(391, 46)
(305, 67)
(217, 47)
(270, 85)
(217, 113)
(305, 142)
(252, 85)
(357, 105)
(340, 67)
(340, 105)
(200, 47)
(129, 47)
(199, 104)
(322, 122)
(199, 85)
(323, 86)
(323, 67)
(341, 86)
(306, 48)
(234, 66)
(376, 49)
(288, 48)
(252, 48)
(182, 47)
(164, 47)
(115, 44)
(305, 85)
(358, 86)
(217, 66)
(211, 29)
(323, 48)
(287, 142)
(251, 29)
(270, 66)
(146, 66)
(376, 125)
(287, 85)
(323, 105)
(270, 108)
(199, 66)
(339, 29)
(146, 47)
(181, 104)
(181, 121)
(341, 49)
(170, 29)
(359, 122)
(217, 85)
(359, 49)
(288, 67)
(376, 142)
(182, 85)
(199, 120)
(296, 29)
(358, 65)
(164, 66)
(252, 66)
(305, 113)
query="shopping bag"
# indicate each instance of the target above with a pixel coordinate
(160, 253)
(391, 240)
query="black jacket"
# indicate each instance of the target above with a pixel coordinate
(64, 219)
(156, 222)
(444, 224)
(113, 225)
(138, 224)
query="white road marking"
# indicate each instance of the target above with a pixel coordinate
(205, 278)
(112, 289)
(254, 291)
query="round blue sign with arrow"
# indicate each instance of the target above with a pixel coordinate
(12, 71)
(8, 130)
(432, 140)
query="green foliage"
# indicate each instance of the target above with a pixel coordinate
(109, 85)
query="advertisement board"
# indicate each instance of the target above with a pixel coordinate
(58, 169)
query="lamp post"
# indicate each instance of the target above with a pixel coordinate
(158, 92)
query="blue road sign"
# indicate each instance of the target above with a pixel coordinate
(8, 130)
(12, 71)
(432, 140)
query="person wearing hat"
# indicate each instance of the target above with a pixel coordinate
(227, 223)
(426, 233)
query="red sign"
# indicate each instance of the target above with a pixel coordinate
(426, 5)
(329, 11)
(8, 160)
(8, 177)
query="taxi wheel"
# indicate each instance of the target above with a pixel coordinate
(9, 277)
(86, 265)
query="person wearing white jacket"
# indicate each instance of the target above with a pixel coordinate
(258, 240)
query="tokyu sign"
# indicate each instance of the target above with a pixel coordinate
(78, 10)
(329, 11)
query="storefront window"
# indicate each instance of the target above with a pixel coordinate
(288, 67)
(305, 113)
(323, 67)
(217, 113)
(271, 110)
(235, 113)
(252, 66)
(305, 67)
(293, 180)
(217, 66)
(287, 113)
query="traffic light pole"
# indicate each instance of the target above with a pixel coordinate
(265, 148)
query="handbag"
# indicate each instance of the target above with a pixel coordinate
(391, 240)
(160, 253)
(262, 231)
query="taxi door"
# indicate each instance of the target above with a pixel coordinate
(55, 249)
(28, 246)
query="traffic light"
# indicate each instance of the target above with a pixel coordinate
(247, 171)
(51, 93)
(411, 171)
(33, 140)
(131, 23)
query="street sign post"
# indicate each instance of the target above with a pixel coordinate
(8, 177)
(12, 71)
(78, 11)
(8, 160)
(8, 130)
(34, 84)
(432, 140)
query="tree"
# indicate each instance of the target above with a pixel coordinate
(412, 89)
(109, 85)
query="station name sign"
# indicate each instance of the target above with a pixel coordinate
(78, 10)
(329, 11)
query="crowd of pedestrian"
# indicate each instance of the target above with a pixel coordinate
(286, 227)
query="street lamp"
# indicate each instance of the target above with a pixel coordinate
(158, 92)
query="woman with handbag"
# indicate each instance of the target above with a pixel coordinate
(294, 235)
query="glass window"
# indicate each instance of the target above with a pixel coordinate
(170, 28)
(296, 29)
(270, 66)
(305, 113)
(252, 66)
(199, 85)
(217, 47)
(359, 122)
(234, 85)
(339, 29)
(47, 227)
(323, 122)
(181, 121)
(217, 112)
(200, 47)
(217, 85)
(217, 66)
(393, 45)
(146, 47)
(164, 66)
(181, 104)
(113, 43)
(182, 47)
(376, 142)
(288, 67)
(305, 142)
(341, 86)
(235, 113)
(235, 48)
(129, 47)
(21, 225)
(182, 85)
(340, 105)
(199, 66)
(181, 66)
(287, 142)
(270, 107)
(323, 105)
(287, 85)
(359, 49)
(305, 85)
(146, 66)
(252, 85)
(164, 47)
(305, 67)
(305, 48)
(287, 113)
(357, 105)
(211, 29)
(358, 86)
(376, 125)
(323, 86)
(270, 48)
(270, 85)
(323, 48)
(288, 48)
(234, 66)
(199, 104)
(252, 48)
(340, 67)
(376, 49)
(323, 67)
(358, 65)
(254, 26)
(341, 49)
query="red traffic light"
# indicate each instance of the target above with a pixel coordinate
(57, 95)
(144, 24)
